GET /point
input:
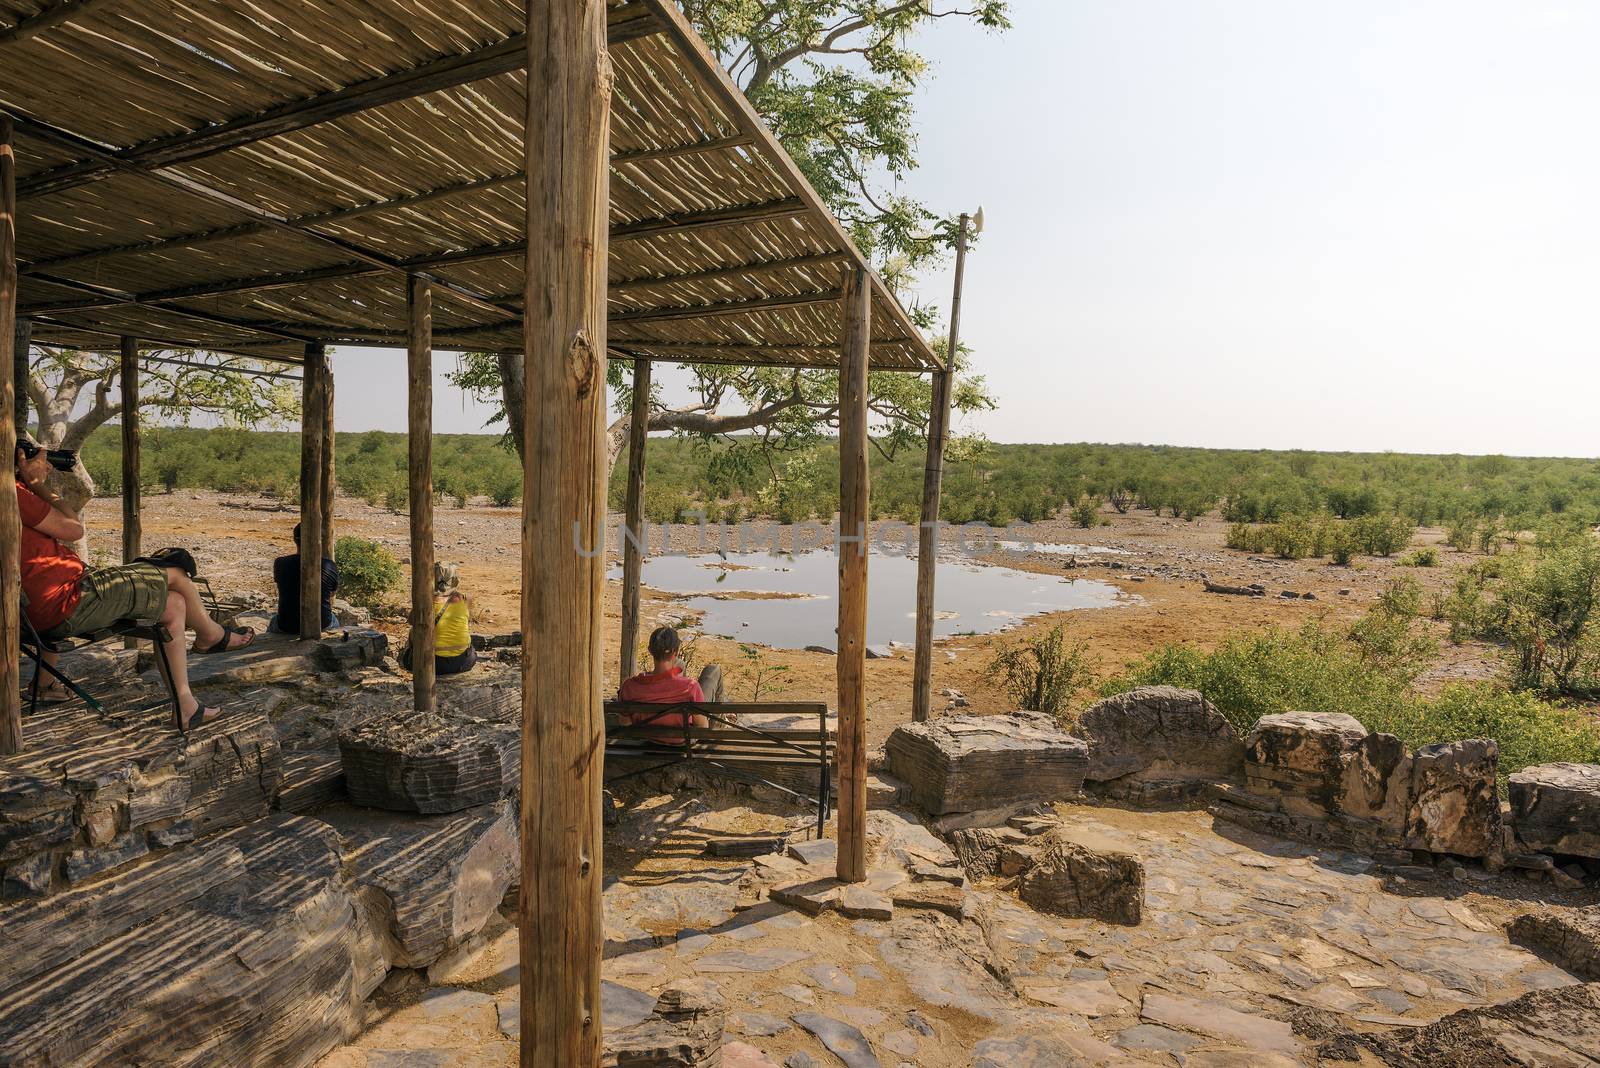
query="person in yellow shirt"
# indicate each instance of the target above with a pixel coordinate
(452, 625)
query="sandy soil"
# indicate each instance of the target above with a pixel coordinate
(235, 539)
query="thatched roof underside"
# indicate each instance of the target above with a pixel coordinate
(256, 175)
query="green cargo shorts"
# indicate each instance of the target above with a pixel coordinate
(107, 594)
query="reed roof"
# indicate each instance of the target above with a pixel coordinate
(250, 176)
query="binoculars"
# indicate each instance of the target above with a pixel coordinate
(61, 459)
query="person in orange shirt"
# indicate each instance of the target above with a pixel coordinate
(65, 598)
(666, 684)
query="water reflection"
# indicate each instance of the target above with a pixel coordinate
(789, 602)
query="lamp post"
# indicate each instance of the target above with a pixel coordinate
(932, 477)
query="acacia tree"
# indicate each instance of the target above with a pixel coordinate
(834, 80)
(73, 393)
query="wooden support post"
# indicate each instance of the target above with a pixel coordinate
(634, 534)
(327, 458)
(932, 480)
(851, 663)
(19, 370)
(10, 518)
(132, 527)
(565, 146)
(419, 434)
(311, 548)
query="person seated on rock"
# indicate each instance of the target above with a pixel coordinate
(65, 598)
(286, 574)
(453, 652)
(666, 684)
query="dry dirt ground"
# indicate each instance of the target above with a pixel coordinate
(236, 537)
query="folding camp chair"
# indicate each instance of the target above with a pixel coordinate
(35, 646)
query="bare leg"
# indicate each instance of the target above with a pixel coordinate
(206, 630)
(174, 620)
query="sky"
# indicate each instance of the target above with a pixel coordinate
(1256, 224)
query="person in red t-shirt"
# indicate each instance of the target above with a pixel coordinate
(65, 598)
(666, 684)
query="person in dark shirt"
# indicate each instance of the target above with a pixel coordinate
(286, 573)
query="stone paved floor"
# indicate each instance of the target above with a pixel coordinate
(1237, 932)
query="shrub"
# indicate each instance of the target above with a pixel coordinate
(397, 498)
(1426, 557)
(1290, 538)
(1342, 544)
(1382, 535)
(1459, 535)
(1043, 673)
(1550, 606)
(1528, 730)
(1086, 513)
(367, 571)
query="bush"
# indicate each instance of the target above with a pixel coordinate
(1382, 535)
(1427, 557)
(367, 571)
(1460, 534)
(1086, 513)
(1043, 673)
(1367, 674)
(1342, 544)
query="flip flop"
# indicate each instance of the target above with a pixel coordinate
(221, 645)
(202, 715)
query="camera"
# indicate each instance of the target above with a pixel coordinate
(62, 459)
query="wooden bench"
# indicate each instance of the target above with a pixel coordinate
(752, 740)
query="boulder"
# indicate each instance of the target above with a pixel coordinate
(971, 762)
(434, 880)
(1555, 808)
(352, 648)
(443, 762)
(1569, 937)
(1455, 805)
(1076, 874)
(991, 851)
(1326, 764)
(684, 1031)
(1560, 1026)
(1159, 732)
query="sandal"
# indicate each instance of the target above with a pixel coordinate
(54, 695)
(203, 714)
(221, 644)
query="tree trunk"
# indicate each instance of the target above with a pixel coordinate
(511, 397)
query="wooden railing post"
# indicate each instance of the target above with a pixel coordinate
(633, 529)
(132, 526)
(311, 548)
(10, 518)
(851, 662)
(419, 434)
(566, 140)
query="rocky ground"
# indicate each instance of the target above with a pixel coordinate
(1251, 950)
(236, 537)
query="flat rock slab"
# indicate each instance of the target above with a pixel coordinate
(1544, 1027)
(311, 778)
(1159, 732)
(1555, 808)
(815, 851)
(812, 895)
(257, 917)
(861, 903)
(843, 1040)
(755, 960)
(1214, 1019)
(435, 880)
(86, 794)
(443, 762)
(969, 763)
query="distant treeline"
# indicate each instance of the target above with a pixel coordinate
(994, 483)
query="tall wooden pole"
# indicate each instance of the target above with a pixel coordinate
(851, 663)
(19, 370)
(563, 516)
(10, 518)
(932, 479)
(327, 458)
(419, 433)
(632, 557)
(311, 548)
(132, 526)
